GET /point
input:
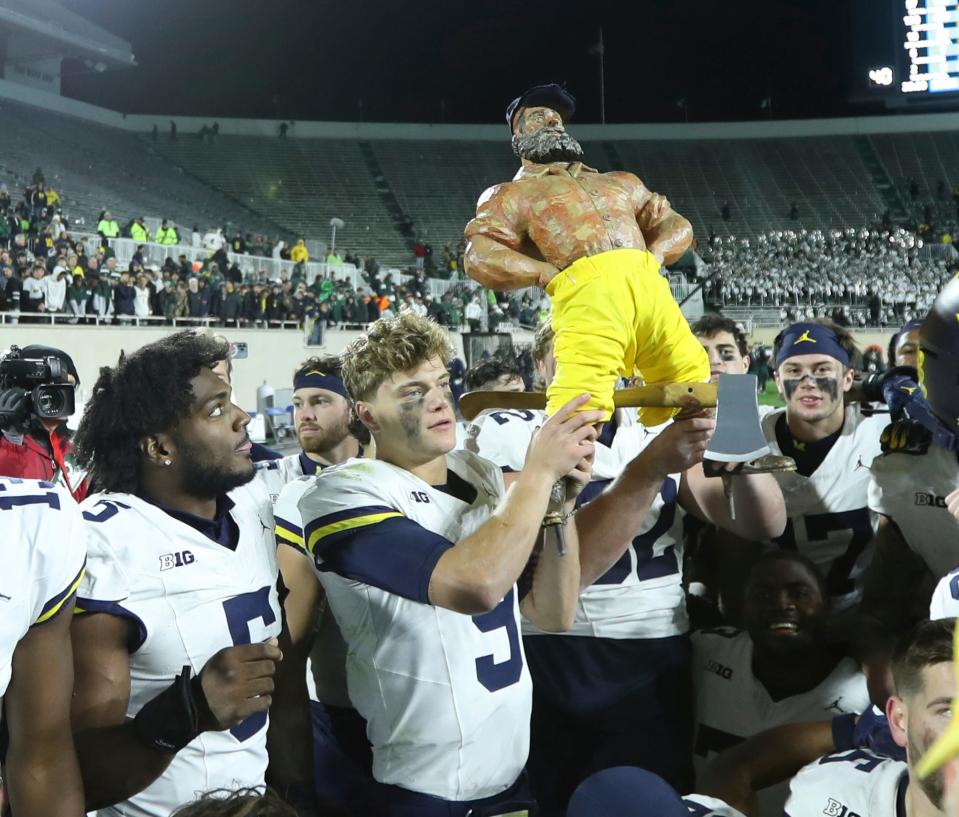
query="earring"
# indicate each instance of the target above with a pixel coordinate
(168, 462)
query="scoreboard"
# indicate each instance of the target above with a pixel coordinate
(931, 46)
(906, 52)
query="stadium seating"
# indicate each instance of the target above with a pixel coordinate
(295, 186)
(94, 167)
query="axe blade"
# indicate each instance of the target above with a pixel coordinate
(739, 435)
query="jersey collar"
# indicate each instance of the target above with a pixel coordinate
(222, 529)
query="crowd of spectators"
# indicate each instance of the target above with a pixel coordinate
(867, 277)
(46, 270)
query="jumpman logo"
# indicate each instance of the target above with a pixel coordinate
(909, 389)
(835, 705)
(263, 524)
(804, 338)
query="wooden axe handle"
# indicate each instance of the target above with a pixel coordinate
(667, 395)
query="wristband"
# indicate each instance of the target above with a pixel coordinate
(171, 720)
(843, 731)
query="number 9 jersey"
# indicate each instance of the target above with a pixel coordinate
(446, 696)
(188, 597)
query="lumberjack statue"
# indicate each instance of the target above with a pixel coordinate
(595, 242)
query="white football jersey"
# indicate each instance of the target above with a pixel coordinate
(828, 512)
(189, 597)
(912, 490)
(945, 598)
(732, 705)
(274, 474)
(848, 783)
(701, 806)
(641, 596)
(446, 696)
(44, 553)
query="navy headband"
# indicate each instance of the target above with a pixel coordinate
(315, 379)
(811, 339)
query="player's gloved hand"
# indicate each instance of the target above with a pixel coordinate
(238, 682)
(561, 443)
(905, 437)
(14, 408)
(896, 387)
(679, 446)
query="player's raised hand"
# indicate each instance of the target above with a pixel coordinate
(564, 440)
(238, 682)
(680, 445)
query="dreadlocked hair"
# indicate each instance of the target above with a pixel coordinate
(147, 392)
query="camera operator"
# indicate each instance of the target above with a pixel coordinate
(36, 398)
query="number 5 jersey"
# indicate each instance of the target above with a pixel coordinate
(446, 696)
(188, 594)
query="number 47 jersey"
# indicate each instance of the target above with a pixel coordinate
(188, 597)
(446, 696)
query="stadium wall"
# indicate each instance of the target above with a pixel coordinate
(143, 123)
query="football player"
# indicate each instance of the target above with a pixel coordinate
(860, 782)
(321, 413)
(715, 559)
(177, 644)
(495, 374)
(615, 688)
(725, 344)
(321, 418)
(904, 346)
(779, 669)
(39, 574)
(833, 446)
(912, 484)
(419, 551)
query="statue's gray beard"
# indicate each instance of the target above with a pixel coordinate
(547, 145)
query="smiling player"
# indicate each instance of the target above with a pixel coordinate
(778, 670)
(833, 446)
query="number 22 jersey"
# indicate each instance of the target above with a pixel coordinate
(446, 696)
(188, 597)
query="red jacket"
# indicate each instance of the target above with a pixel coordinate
(30, 458)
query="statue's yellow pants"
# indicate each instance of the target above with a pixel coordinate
(613, 315)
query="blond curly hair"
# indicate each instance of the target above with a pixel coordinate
(389, 346)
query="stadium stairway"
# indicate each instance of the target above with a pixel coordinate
(881, 181)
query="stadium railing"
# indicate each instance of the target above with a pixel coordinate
(124, 249)
(64, 318)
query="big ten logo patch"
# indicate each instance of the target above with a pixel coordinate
(836, 809)
(181, 559)
(930, 500)
(719, 669)
(419, 496)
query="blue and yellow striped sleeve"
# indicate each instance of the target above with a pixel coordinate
(61, 599)
(379, 546)
(289, 533)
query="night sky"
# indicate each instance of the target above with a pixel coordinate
(426, 61)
